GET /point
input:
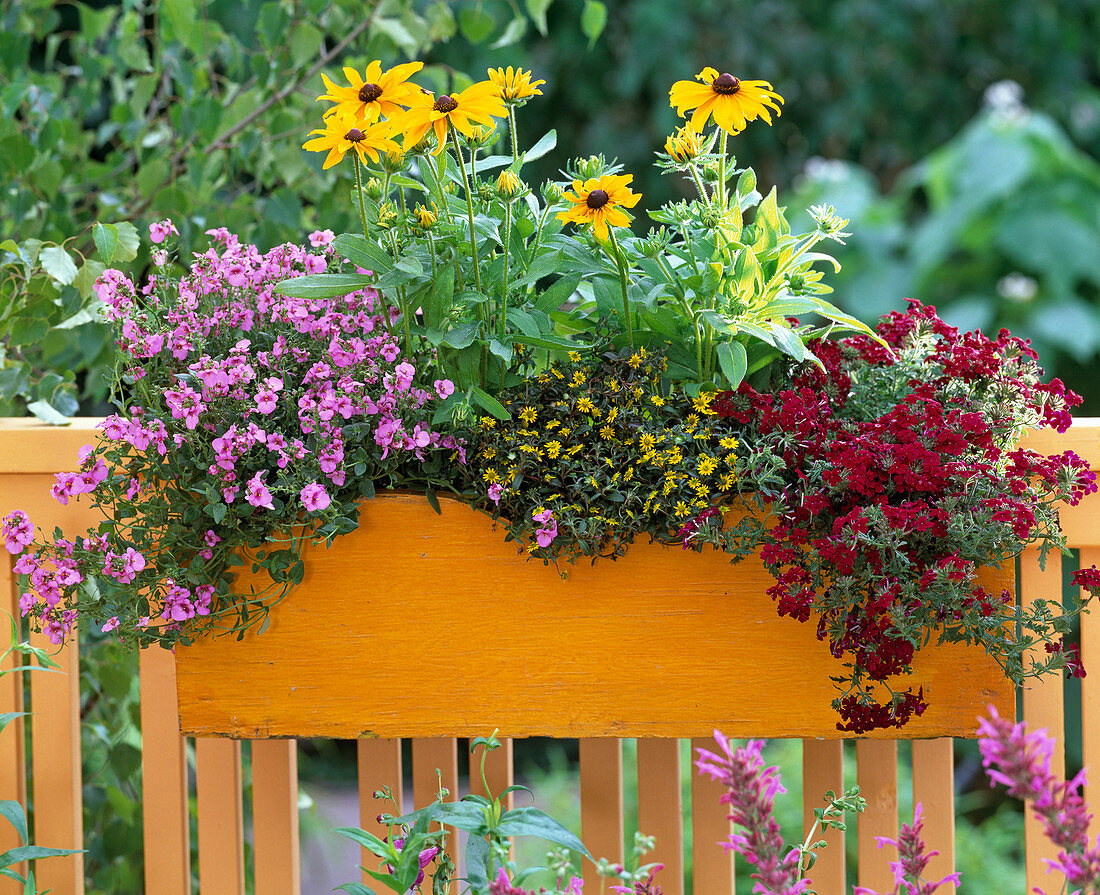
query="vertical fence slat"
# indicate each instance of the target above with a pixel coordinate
(275, 816)
(660, 808)
(13, 782)
(428, 754)
(823, 770)
(55, 751)
(934, 789)
(379, 765)
(712, 866)
(1090, 696)
(1042, 707)
(601, 803)
(221, 816)
(165, 810)
(877, 775)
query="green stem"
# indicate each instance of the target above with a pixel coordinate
(507, 256)
(620, 263)
(483, 309)
(699, 184)
(359, 190)
(722, 168)
(682, 298)
(515, 135)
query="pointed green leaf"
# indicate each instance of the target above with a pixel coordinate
(323, 285)
(15, 815)
(533, 822)
(734, 361)
(490, 403)
(366, 254)
(593, 20)
(537, 10)
(544, 145)
(58, 264)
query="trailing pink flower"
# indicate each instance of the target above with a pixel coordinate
(18, 532)
(549, 529)
(161, 230)
(314, 497)
(256, 492)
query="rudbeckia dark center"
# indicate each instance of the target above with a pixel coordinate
(597, 199)
(368, 93)
(445, 104)
(355, 135)
(726, 83)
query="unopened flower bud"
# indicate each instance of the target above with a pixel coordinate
(393, 162)
(552, 193)
(684, 145)
(387, 215)
(509, 185)
(425, 217)
(373, 189)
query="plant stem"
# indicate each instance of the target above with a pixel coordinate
(722, 168)
(359, 190)
(512, 131)
(620, 263)
(699, 184)
(507, 256)
(483, 309)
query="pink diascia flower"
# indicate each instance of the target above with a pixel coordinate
(18, 531)
(320, 238)
(315, 497)
(496, 491)
(444, 388)
(160, 230)
(256, 492)
(110, 624)
(549, 529)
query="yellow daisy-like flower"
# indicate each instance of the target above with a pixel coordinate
(514, 84)
(684, 145)
(732, 102)
(599, 202)
(344, 132)
(479, 103)
(377, 95)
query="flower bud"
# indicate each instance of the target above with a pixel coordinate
(509, 185)
(387, 216)
(684, 145)
(426, 218)
(552, 193)
(373, 189)
(393, 162)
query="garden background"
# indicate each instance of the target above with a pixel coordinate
(961, 139)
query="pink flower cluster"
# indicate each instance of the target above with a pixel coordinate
(912, 860)
(548, 529)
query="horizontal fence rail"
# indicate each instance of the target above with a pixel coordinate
(50, 739)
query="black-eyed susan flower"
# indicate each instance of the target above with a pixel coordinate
(426, 217)
(732, 102)
(600, 201)
(514, 84)
(684, 145)
(479, 103)
(375, 95)
(344, 132)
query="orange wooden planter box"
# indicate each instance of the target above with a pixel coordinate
(425, 625)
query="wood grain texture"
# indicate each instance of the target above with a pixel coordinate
(601, 804)
(1042, 708)
(661, 810)
(613, 650)
(822, 771)
(934, 790)
(275, 817)
(166, 817)
(712, 866)
(220, 816)
(435, 762)
(378, 765)
(877, 776)
(1090, 695)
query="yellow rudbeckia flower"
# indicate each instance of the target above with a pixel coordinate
(600, 201)
(344, 132)
(375, 95)
(479, 103)
(514, 84)
(731, 101)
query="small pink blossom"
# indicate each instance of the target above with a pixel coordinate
(161, 230)
(444, 388)
(549, 529)
(110, 624)
(320, 238)
(496, 491)
(18, 531)
(257, 493)
(315, 498)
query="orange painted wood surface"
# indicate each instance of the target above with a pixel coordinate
(378, 765)
(877, 776)
(614, 649)
(435, 763)
(13, 783)
(712, 866)
(275, 817)
(220, 816)
(166, 814)
(822, 771)
(1042, 707)
(601, 804)
(1090, 696)
(934, 789)
(660, 809)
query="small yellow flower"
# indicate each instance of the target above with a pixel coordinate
(707, 465)
(657, 400)
(491, 476)
(732, 102)
(674, 455)
(701, 403)
(647, 442)
(681, 509)
(607, 433)
(488, 422)
(599, 202)
(426, 218)
(488, 452)
(374, 95)
(515, 84)
(528, 415)
(684, 145)
(343, 132)
(579, 377)
(729, 443)
(636, 359)
(479, 103)
(728, 481)
(575, 356)
(585, 405)
(553, 448)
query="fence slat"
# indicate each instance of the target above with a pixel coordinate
(660, 808)
(934, 789)
(601, 803)
(55, 751)
(823, 770)
(1090, 696)
(221, 816)
(379, 765)
(165, 811)
(1042, 704)
(275, 816)
(877, 775)
(712, 866)
(13, 781)
(429, 753)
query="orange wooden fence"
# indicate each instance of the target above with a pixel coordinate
(29, 454)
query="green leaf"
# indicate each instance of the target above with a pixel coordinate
(13, 811)
(46, 412)
(490, 403)
(734, 361)
(323, 285)
(128, 241)
(368, 840)
(504, 352)
(545, 143)
(558, 293)
(475, 24)
(357, 889)
(788, 342)
(106, 240)
(366, 254)
(33, 853)
(440, 297)
(87, 275)
(532, 822)
(593, 20)
(7, 717)
(461, 335)
(84, 315)
(537, 10)
(512, 34)
(180, 17)
(58, 264)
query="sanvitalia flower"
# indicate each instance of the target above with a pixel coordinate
(377, 95)
(479, 103)
(732, 102)
(514, 84)
(344, 132)
(600, 201)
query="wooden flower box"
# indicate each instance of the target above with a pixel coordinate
(424, 625)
